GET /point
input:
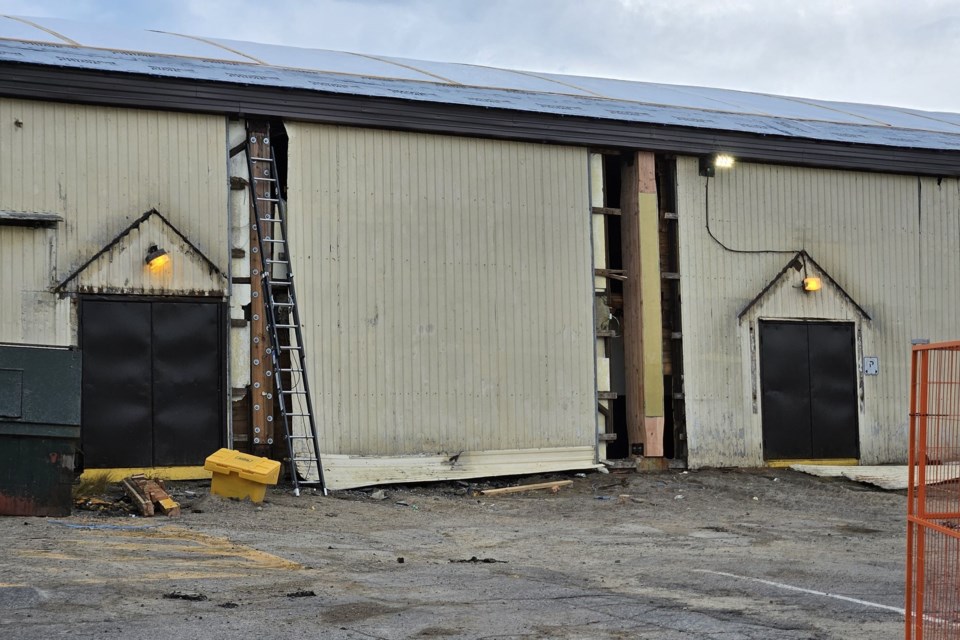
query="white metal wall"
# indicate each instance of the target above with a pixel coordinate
(446, 288)
(892, 242)
(100, 168)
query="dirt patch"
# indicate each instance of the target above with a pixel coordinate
(668, 555)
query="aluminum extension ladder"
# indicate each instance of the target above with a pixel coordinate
(282, 315)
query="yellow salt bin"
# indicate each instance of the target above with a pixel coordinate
(239, 475)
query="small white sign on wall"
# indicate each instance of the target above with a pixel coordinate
(871, 365)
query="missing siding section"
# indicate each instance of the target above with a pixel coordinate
(674, 430)
(608, 304)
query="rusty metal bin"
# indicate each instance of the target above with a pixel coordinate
(37, 469)
(39, 429)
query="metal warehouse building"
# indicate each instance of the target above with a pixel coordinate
(497, 272)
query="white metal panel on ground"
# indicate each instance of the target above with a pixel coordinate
(101, 168)
(890, 242)
(446, 289)
(892, 477)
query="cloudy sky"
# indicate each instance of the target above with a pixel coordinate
(897, 52)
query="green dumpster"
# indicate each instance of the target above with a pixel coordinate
(39, 429)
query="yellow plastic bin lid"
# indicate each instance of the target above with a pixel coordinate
(247, 467)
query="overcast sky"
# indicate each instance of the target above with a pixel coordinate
(897, 52)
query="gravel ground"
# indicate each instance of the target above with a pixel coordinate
(752, 554)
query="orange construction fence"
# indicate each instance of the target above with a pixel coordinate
(933, 494)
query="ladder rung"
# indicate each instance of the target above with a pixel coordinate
(277, 261)
(268, 199)
(291, 370)
(270, 220)
(272, 240)
(283, 304)
(265, 179)
(298, 415)
(282, 283)
(296, 437)
(289, 348)
(294, 393)
(285, 326)
(256, 159)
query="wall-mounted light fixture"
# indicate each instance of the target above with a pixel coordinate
(812, 284)
(710, 164)
(157, 258)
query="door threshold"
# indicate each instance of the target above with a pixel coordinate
(835, 462)
(157, 473)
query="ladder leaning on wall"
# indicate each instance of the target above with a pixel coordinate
(287, 366)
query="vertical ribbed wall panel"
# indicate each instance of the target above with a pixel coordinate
(890, 244)
(446, 290)
(101, 168)
(26, 306)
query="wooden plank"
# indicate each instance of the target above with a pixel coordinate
(150, 495)
(606, 211)
(651, 305)
(632, 299)
(140, 501)
(553, 486)
(613, 274)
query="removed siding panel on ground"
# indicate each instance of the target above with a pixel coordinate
(890, 243)
(101, 168)
(446, 286)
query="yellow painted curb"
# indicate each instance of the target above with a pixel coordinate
(834, 462)
(158, 473)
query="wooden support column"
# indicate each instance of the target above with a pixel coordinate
(642, 335)
(261, 369)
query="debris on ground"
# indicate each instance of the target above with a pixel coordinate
(554, 487)
(476, 560)
(150, 495)
(193, 596)
(302, 593)
(379, 494)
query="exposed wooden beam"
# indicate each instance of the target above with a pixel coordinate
(261, 382)
(643, 357)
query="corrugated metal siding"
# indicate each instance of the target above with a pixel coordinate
(26, 276)
(446, 288)
(101, 168)
(122, 269)
(866, 230)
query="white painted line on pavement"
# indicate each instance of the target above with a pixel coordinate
(812, 592)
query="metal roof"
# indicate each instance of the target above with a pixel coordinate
(68, 44)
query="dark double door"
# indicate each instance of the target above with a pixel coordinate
(153, 381)
(808, 383)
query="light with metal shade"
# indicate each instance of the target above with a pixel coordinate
(157, 258)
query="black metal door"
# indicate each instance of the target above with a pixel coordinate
(116, 426)
(152, 382)
(808, 384)
(186, 382)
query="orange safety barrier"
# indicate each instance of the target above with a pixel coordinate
(933, 494)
